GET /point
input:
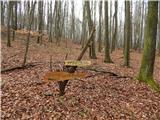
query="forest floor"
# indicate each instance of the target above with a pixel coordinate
(26, 96)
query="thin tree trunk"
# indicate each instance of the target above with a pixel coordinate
(110, 30)
(106, 38)
(92, 51)
(83, 36)
(159, 30)
(50, 22)
(2, 12)
(131, 40)
(99, 32)
(114, 39)
(40, 9)
(20, 15)
(15, 27)
(13, 20)
(48, 15)
(28, 36)
(127, 34)
(142, 14)
(8, 24)
(73, 23)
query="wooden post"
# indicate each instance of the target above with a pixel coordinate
(72, 69)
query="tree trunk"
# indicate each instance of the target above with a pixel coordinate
(48, 15)
(159, 30)
(50, 22)
(72, 22)
(40, 14)
(2, 12)
(106, 38)
(131, 40)
(114, 39)
(8, 24)
(58, 22)
(99, 32)
(92, 51)
(28, 36)
(110, 25)
(142, 19)
(148, 59)
(83, 36)
(20, 15)
(127, 34)
(12, 21)
(137, 14)
(15, 27)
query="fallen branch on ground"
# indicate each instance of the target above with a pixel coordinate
(17, 67)
(107, 72)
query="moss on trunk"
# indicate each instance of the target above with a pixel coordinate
(147, 64)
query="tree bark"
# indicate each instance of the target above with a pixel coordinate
(142, 19)
(28, 36)
(72, 36)
(148, 59)
(8, 24)
(114, 39)
(49, 25)
(99, 32)
(127, 34)
(106, 38)
(92, 51)
(15, 27)
(2, 12)
(40, 14)
(83, 36)
(159, 30)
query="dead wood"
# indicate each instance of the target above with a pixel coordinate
(101, 71)
(18, 67)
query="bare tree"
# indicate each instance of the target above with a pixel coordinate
(2, 12)
(159, 30)
(99, 32)
(106, 38)
(8, 24)
(50, 22)
(72, 36)
(110, 25)
(137, 16)
(15, 11)
(142, 19)
(92, 51)
(20, 14)
(127, 34)
(114, 39)
(29, 29)
(40, 14)
(58, 22)
(147, 63)
(84, 27)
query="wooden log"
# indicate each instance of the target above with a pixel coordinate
(17, 67)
